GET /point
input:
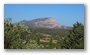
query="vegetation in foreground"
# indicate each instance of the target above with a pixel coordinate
(17, 36)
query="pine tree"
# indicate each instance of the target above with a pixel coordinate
(58, 42)
(50, 43)
(75, 38)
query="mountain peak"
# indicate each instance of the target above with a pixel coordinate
(49, 22)
(51, 19)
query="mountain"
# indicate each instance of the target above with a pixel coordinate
(49, 22)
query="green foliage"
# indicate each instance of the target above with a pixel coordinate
(58, 43)
(16, 36)
(50, 44)
(75, 38)
(38, 40)
(53, 32)
(32, 45)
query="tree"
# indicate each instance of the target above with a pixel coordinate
(17, 36)
(38, 40)
(32, 45)
(50, 43)
(58, 43)
(75, 38)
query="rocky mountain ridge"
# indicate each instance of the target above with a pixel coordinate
(49, 22)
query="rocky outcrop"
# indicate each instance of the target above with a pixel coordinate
(42, 23)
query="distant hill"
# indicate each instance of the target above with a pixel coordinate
(49, 22)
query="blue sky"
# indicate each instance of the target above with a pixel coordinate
(65, 14)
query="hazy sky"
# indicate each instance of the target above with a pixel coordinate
(66, 14)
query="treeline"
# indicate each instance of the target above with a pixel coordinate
(17, 36)
(53, 32)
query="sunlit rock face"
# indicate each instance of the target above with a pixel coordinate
(49, 22)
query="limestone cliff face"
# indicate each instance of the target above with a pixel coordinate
(42, 23)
